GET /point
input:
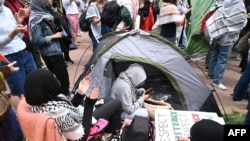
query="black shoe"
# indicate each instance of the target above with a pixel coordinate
(69, 61)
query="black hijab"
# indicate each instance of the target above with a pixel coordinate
(207, 130)
(41, 86)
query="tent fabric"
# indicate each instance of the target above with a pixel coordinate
(153, 50)
(196, 42)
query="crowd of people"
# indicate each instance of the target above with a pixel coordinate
(39, 33)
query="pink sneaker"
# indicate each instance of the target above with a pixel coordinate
(95, 130)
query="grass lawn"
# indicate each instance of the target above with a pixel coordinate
(234, 118)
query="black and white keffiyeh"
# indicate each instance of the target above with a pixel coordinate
(226, 20)
(124, 77)
(67, 117)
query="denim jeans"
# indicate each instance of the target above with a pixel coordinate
(247, 117)
(242, 84)
(93, 39)
(105, 29)
(10, 129)
(217, 63)
(183, 40)
(171, 39)
(26, 64)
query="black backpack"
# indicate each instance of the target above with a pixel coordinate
(84, 24)
(110, 13)
(140, 129)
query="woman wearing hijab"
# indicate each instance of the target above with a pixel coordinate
(48, 39)
(205, 130)
(42, 92)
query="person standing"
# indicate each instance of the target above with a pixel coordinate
(14, 49)
(223, 29)
(66, 37)
(93, 13)
(128, 13)
(147, 15)
(14, 6)
(169, 18)
(72, 14)
(240, 90)
(48, 38)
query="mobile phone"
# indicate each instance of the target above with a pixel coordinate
(150, 91)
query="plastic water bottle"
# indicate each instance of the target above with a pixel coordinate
(166, 97)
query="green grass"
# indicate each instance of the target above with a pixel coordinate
(235, 118)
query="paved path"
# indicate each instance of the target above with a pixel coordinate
(82, 54)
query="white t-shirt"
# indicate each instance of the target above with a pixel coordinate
(70, 8)
(93, 11)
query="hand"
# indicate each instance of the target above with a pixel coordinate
(12, 68)
(95, 93)
(145, 96)
(149, 91)
(20, 15)
(187, 10)
(84, 85)
(57, 35)
(21, 28)
(184, 139)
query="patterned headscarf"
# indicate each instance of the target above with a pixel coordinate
(38, 13)
(41, 86)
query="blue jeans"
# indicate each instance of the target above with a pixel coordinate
(10, 129)
(93, 39)
(242, 84)
(247, 117)
(183, 40)
(105, 29)
(26, 64)
(217, 63)
(171, 39)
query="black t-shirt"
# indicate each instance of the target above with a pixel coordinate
(168, 30)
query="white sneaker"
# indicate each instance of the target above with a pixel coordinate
(220, 86)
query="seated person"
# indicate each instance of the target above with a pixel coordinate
(205, 130)
(125, 89)
(73, 120)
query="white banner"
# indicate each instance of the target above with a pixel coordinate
(173, 124)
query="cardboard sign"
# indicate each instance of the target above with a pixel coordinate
(173, 124)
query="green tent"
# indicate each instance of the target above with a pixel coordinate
(196, 43)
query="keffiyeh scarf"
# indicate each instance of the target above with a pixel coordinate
(169, 13)
(126, 79)
(67, 117)
(224, 20)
